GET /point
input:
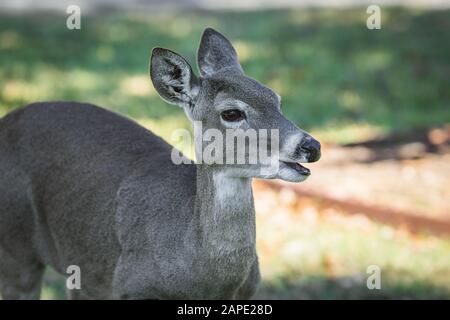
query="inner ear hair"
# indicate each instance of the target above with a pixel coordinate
(173, 78)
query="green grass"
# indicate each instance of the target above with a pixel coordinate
(337, 78)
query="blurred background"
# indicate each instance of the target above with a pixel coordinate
(378, 100)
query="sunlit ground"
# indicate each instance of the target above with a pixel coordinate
(337, 79)
(311, 252)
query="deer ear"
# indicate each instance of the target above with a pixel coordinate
(173, 78)
(215, 53)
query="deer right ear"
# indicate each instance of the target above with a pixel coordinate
(173, 78)
(215, 53)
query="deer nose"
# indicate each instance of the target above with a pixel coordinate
(312, 147)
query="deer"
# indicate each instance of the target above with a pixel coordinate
(81, 185)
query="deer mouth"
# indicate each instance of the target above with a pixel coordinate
(298, 168)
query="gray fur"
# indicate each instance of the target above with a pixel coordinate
(83, 186)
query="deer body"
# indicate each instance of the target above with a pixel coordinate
(109, 211)
(80, 185)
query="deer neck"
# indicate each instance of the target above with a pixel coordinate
(224, 212)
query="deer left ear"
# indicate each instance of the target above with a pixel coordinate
(173, 78)
(215, 53)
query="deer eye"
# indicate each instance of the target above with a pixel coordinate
(232, 115)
